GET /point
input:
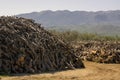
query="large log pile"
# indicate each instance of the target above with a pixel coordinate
(25, 47)
(99, 51)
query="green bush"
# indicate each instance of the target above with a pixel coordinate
(77, 36)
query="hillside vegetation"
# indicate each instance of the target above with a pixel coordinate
(72, 36)
(101, 29)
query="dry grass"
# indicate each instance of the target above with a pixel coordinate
(93, 71)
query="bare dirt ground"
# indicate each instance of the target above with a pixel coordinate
(93, 71)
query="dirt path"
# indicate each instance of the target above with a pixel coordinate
(93, 71)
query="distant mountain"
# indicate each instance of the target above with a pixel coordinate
(102, 22)
(68, 18)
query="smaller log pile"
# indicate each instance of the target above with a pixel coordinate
(99, 51)
(25, 47)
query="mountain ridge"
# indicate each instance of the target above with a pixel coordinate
(101, 22)
(66, 17)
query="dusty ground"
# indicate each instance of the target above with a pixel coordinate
(93, 71)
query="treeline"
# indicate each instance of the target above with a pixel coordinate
(77, 36)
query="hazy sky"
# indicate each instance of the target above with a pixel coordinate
(11, 7)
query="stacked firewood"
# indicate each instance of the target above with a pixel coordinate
(99, 51)
(25, 47)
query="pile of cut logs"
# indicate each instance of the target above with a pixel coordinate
(99, 51)
(25, 47)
